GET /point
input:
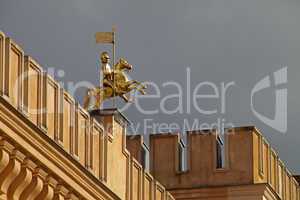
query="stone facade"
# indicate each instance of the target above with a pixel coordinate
(51, 148)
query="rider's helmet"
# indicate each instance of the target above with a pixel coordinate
(104, 57)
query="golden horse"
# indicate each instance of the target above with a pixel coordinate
(122, 86)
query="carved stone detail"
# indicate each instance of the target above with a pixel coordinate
(22, 181)
(5, 149)
(11, 171)
(48, 190)
(36, 185)
(60, 192)
(71, 196)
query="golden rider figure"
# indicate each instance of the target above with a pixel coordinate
(106, 70)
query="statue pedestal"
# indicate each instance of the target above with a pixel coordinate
(111, 119)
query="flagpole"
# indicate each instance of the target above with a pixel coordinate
(113, 63)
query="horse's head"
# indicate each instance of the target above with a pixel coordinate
(123, 64)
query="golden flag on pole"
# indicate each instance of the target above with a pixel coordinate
(104, 37)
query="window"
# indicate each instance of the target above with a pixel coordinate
(180, 158)
(261, 155)
(143, 158)
(220, 154)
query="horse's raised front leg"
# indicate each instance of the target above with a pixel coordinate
(142, 86)
(134, 82)
(135, 85)
(125, 98)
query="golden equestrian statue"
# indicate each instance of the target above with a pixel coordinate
(115, 83)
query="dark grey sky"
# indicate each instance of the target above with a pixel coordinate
(221, 41)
